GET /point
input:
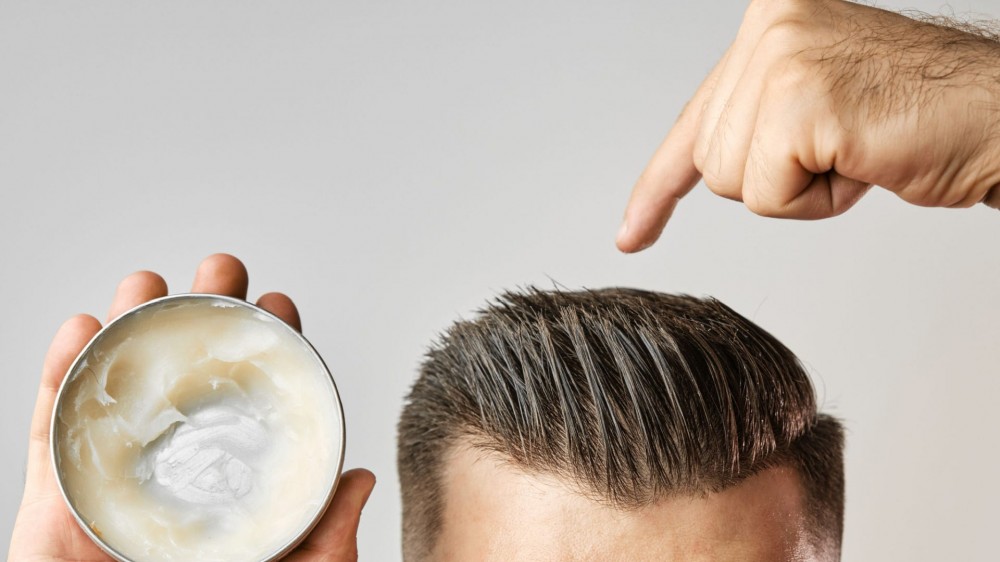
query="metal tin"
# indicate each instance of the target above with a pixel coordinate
(292, 542)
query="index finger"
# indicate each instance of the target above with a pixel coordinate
(68, 342)
(670, 175)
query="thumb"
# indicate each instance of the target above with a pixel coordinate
(335, 537)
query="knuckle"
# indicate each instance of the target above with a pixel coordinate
(760, 9)
(785, 35)
(758, 190)
(714, 182)
(722, 164)
(761, 205)
(765, 12)
(794, 77)
(724, 181)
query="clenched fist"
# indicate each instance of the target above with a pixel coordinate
(817, 100)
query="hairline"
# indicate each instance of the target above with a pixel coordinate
(475, 440)
(803, 438)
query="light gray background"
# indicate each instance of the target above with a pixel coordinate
(392, 165)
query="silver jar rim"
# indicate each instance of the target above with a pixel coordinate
(190, 297)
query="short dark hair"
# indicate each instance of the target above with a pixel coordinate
(631, 395)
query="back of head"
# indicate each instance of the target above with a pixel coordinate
(631, 396)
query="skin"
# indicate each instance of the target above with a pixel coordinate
(817, 100)
(522, 516)
(45, 529)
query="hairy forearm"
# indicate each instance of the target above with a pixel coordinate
(968, 56)
(979, 45)
(963, 64)
(894, 62)
(939, 76)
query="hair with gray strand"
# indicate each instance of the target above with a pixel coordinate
(629, 395)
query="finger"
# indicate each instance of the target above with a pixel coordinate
(222, 274)
(68, 342)
(743, 51)
(336, 535)
(790, 170)
(827, 195)
(777, 184)
(669, 176)
(136, 289)
(725, 160)
(281, 306)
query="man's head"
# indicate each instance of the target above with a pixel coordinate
(616, 425)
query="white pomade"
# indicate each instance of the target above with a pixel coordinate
(198, 428)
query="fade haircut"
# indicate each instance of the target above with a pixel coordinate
(630, 396)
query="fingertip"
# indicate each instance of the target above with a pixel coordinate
(668, 177)
(222, 274)
(149, 280)
(283, 307)
(353, 491)
(70, 338)
(221, 258)
(79, 323)
(76, 328)
(363, 479)
(644, 223)
(135, 289)
(222, 263)
(622, 239)
(629, 244)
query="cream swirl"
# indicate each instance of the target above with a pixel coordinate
(198, 430)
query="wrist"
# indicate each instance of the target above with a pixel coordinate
(991, 116)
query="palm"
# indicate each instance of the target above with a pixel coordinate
(46, 530)
(54, 535)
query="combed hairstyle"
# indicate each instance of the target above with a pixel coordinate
(630, 396)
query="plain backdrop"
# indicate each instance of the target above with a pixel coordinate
(392, 165)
